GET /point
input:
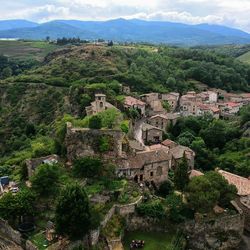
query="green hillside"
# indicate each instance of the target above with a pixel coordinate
(245, 57)
(26, 49)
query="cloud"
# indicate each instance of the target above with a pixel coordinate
(233, 13)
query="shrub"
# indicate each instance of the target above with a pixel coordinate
(95, 122)
(165, 188)
(152, 209)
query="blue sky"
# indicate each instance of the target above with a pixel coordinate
(234, 13)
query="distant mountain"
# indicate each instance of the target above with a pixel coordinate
(16, 24)
(128, 30)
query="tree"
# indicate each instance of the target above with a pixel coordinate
(175, 206)
(45, 179)
(72, 215)
(165, 188)
(227, 191)
(202, 196)
(13, 207)
(88, 167)
(95, 122)
(7, 72)
(181, 176)
(204, 158)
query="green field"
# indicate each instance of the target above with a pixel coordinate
(245, 57)
(23, 50)
(153, 240)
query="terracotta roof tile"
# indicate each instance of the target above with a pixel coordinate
(242, 184)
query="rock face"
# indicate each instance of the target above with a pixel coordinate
(81, 142)
(221, 233)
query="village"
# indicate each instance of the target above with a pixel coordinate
(144, 156)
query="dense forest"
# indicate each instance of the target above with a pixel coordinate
(35, 97)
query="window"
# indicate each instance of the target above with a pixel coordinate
(141, 177)
(151, 174)
(101, 104)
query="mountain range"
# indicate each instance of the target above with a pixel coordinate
(122, 30)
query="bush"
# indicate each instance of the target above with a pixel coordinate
(165, 188)
(152, 209)
(95, 122)
(88, 167)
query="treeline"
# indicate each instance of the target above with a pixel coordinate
(72, 40)
(12, 67)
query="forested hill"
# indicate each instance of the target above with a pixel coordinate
(122, 30)
(35, 95)
(144, 68)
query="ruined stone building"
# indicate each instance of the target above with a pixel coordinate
(32, 164)
(99, 105)
(82, 142)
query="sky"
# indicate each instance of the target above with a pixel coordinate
(232, 13)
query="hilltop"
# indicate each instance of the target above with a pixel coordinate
(122, 30)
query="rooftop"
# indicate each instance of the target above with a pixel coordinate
(146, 126)
(130, 101)
(242, 184)
(145, 157)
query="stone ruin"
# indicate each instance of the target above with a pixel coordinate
(82, 142)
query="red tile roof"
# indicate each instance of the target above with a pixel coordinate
(131, 101)
(242, 184)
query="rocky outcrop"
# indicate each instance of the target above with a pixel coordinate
(222, 233)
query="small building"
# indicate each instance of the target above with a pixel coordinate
(147, 166)
(229, 109)
(163, 121)
(126, 89)
(243, 200)
(131, 102)
(32, 164)
(209, 96)
(151, 134)
(99, 105)
(179, 152)
(206, 109)
(169, 144)
(150, 97)
(172, 98)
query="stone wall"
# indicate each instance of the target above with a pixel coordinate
(81, 142)
(9, 232)
(30, 246)
(128, 208)
(224, 232)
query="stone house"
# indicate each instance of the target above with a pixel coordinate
(147, 166)
(150, 97)
(243, 200)
(203, 109)
(32, 164)
(172, 98)
(99, 105)
(131, 102)
(151, 134)
(163, 121)
(229, 109)
(178, 153)
(209, 96)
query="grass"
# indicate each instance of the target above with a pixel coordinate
(153, 240)
(245, 57)
(40, 241)
(24, 50)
